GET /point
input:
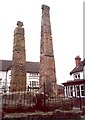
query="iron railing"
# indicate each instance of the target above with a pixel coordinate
(32, 99)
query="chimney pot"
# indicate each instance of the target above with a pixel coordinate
(77, 60)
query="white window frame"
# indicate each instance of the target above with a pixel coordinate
(81, 90)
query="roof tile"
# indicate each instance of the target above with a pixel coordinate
(31, 67)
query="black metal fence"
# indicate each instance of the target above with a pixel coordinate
(24, 99)
(31, 100)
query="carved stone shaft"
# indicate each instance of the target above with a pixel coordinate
(47, 62)
(18, 75)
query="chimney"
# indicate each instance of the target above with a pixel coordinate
(77, 60)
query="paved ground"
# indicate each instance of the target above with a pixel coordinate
(16, 115)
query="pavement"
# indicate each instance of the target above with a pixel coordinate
(20, 115)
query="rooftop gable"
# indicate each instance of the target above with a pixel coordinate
(78, 68)
(31, 67)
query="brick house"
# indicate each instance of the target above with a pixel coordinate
(75, 88)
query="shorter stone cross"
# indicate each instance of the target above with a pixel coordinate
(19, 24)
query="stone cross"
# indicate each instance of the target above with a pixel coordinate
(18, 75)
(47, 62)
(19, 24)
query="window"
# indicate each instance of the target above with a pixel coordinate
(82, 93)
(78, 90)
(30, 84)
(71, 90)
(82, 90)
(33, 74)
(82, 87)
(33, 83)
(78, 87)
(77, 76)
(37, 83)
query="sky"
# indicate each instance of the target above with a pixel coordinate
(66, 18)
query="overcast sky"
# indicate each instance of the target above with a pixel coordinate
(67, 31)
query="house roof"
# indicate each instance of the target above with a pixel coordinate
(31, 67)
(78, 68)
(74, 82)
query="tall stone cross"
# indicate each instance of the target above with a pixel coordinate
(18, 74)
(47, 62)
